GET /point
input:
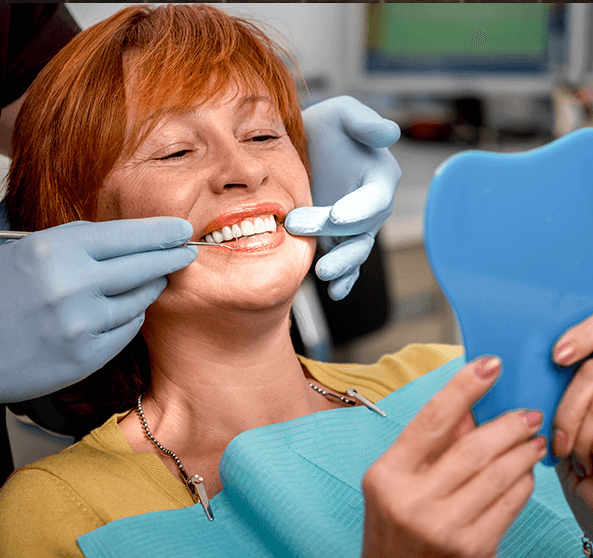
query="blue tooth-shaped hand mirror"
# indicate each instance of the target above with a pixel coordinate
(509, 239)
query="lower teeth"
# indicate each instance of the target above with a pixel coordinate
(234, 240)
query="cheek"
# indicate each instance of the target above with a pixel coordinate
(292, 175)
(305, 198)
(109, 201)
(308, 250)
(124, 197)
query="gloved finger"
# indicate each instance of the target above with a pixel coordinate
(315, 221)
(345, 257)
(123, 308)
(373, 198)
(109, 239)
(112, 342)
(125, 273)
(310, 221)
(341, 287)
(366, 126)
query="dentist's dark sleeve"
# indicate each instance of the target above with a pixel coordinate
(30, 35)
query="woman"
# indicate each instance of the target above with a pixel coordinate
(158, 125)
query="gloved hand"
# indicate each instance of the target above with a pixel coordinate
(74, 296)
(354, 181)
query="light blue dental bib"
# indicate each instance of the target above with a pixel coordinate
(293, 490)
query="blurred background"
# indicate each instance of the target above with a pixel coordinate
(454, 76)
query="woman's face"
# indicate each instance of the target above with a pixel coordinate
(227, 167)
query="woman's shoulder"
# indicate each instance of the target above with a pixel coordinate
(83, 457)
(42, 513)
(65, 470)
(41, 516)
(95, 481)
(99, 465)
(422, 357)
(389, 373)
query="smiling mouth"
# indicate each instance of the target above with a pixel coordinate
(259, 225)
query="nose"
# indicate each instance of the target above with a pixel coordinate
(237, 167)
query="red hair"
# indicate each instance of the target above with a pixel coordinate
(73, 128)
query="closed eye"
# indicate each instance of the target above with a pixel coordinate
(176, 155)
(263, 138)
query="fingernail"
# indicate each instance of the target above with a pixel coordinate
(533, 418)
(488, 368)
(539, 443)
(560, 443)
(564, 353)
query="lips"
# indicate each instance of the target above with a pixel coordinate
(258, 226)
(251, 212)
(232, 217)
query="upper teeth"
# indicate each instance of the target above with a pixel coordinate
(247, 227)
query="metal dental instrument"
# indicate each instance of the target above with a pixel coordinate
(214, 244)
(351, 392)
(12, 235)
(16, 235)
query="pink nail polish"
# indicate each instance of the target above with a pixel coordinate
(533, 418)
(564, 353)
(539, 443)
(488, 368)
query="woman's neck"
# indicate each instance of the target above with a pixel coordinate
(213, 381)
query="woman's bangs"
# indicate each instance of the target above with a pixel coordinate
(172, 75)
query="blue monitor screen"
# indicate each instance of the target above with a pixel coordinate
(462, 38)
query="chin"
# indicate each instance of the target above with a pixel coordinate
(266, 293)
(270, 285)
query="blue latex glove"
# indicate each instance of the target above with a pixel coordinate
(74, 296)
(354, 181)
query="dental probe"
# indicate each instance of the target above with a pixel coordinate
(16, 235)
(214, 244)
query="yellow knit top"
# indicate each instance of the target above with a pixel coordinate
(46, 505)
